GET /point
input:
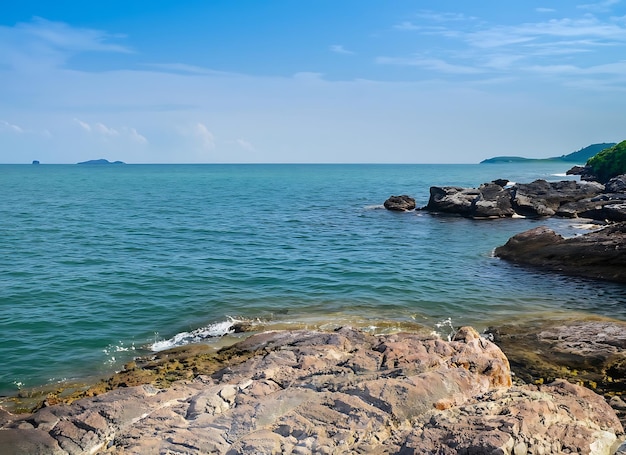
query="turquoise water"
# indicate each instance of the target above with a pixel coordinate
(102, 263)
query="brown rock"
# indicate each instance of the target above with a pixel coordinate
(599, 255)
(315, 392)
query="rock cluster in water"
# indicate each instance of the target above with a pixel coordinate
(302, 392)
(536, 199)
(598, 255)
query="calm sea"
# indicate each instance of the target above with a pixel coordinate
(102, 263)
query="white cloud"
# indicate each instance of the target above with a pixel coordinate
(136, 137)
(6, 126)
(85, 126)
(101, 130)
(339, 49)
(430, 64)
(587, 27)
(445, 17)
(207, 139)
(245, 145)
(407, 25)
(41, 43)
(599, 7)
(105, 130)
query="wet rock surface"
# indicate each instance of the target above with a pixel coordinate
(402, 203)
(536, 199)
(315, 392)
(591, 353)
(598, 255)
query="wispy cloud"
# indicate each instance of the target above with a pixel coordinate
(444, 17)
(407, 25)
(430, 64)
(199, 134)
(245, 145)
(43, 43)
(339, 49)
(10, 127)
(457, 44)
(101, 130)
(599, 7)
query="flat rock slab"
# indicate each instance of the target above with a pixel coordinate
(302, 392)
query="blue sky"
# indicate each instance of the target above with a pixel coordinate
(373, 81)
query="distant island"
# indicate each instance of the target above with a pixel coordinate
(580, 156)
(101, 161)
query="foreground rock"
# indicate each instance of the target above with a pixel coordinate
(587, 352)
(343, 392)
(598, 255)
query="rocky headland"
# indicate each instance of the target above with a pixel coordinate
(302, 392)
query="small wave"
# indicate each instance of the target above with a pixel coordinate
(111, 349)
(374, 207)
(561, 174)
(444, 329)
(215, 330)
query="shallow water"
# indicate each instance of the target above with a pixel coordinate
(99, 263)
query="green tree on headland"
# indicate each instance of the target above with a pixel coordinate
(609, 162)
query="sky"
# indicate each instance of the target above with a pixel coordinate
(309, 81)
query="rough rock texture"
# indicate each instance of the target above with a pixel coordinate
(599, 255)
(491, 200)
(616, 184)
(342, 392)
(588, 352)
(400, 203)
(551, 419)
(542, 198)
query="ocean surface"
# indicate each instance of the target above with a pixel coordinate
(99, 264)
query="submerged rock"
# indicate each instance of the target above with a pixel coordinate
(598, 255)
(340, 392)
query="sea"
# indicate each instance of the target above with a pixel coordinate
(100, 264)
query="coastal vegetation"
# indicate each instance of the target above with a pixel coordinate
(609, 163)
(579, 156)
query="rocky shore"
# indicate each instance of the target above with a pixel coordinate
(300, 392)
(596, 255)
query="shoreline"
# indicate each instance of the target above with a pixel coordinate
(321, 392)
(164, 367)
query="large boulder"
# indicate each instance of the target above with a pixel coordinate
(599, 255)
(616, 184)
(490, 200)
(400, 203)
(541, 198)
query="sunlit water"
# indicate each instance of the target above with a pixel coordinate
(102, 263)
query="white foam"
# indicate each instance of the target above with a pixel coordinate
(445, 329)
(215, 330)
